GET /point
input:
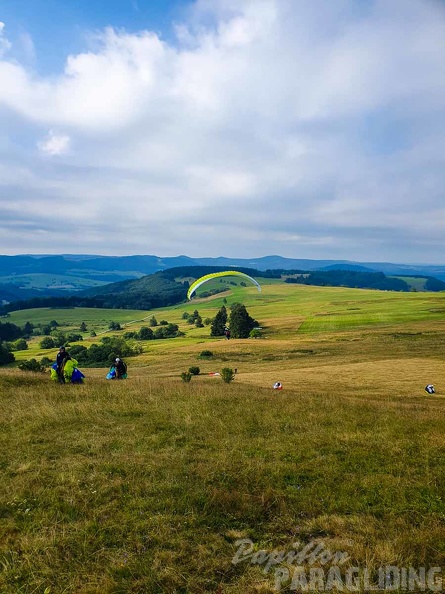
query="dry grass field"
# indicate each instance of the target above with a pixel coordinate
(146, 485)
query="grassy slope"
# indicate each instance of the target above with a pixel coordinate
(144, 486)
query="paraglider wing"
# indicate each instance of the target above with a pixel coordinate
(213, 275)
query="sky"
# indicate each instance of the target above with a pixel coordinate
(238, 128)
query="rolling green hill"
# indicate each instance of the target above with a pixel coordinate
(170, 286)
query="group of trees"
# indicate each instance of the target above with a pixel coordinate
(104, 352)
(58, 339)
(164, 330)
(9, 331)
(240, 322)
(350, 278)
(13, 338)
(195, 319)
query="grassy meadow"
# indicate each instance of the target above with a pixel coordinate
(146, 485)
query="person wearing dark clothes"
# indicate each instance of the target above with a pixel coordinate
(121, 368)
(62, 356)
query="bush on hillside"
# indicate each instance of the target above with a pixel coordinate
(32, 365)
(19, 345)
(227, 374)
(47, 343)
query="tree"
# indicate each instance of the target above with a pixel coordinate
(9, 331)
(83, 327)
(114, 326)
(27, 329)
(20, 345)
(219, 322)
(5, 356)
(145, 333)
(240, 321)
(153, 321)
(47, 343)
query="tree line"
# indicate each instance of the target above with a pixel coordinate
(350, 278)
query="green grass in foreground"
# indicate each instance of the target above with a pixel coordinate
(144, 487)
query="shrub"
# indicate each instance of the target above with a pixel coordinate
(206, 354)
(80, 353)
(74, 337)
(194, 370)
(227, 375)
(186, 376)
(114, 326)
(255, 333)
(163, 323)
(32, 365)
(46, 361)
(145, 333)
(153, 321)
(47, 343)
(19, 345)
(128, 335)
(59, 338)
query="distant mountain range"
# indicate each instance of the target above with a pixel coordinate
(25, 276)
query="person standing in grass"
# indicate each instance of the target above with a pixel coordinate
(62, 356)
(121, 369)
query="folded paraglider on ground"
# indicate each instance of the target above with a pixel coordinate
(70, 372)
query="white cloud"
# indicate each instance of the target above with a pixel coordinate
(54, 144)
(5, 45)
(303, 128)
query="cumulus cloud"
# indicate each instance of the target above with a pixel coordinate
(54, 144)
(307, 129)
